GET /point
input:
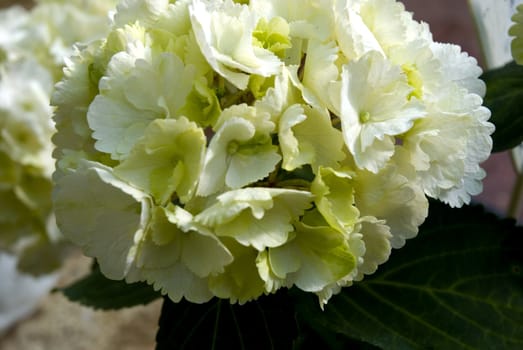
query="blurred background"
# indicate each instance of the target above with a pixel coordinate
(58, 324)
(25, 3)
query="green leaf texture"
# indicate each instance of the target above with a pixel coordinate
(99, 292)
(505, 100)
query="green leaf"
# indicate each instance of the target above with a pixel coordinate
(99, 292)
(267, 323)
(458, 285)
(505, 100)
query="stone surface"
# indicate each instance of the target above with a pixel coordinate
(62, 325)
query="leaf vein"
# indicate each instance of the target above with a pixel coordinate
(237, 326)
(265, 324)
(427, 289)
(427, 258)
(370, 316)
(417, 318)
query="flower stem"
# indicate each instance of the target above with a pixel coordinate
(516, 197)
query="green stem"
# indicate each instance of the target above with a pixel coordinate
(273, 176)
(295, 183)
(515, 199)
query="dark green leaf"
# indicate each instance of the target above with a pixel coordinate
(267, 323)
(458, 285)
(99, 292)
(505, 100)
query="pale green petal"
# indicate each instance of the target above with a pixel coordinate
(248, 168)
(117, 125)
(240, 282)
(224, 32)
(448, 145)
(460, 68)
(318, 134)
(320, 70)
(230, 204)
(72, 97)
(307, 19)
(306, 136)
(135, 92)
(259, 118)
(369, 244)
(151, 85)
(205, 255)
(377, 239)
(322, 254)
(202, 252)
(272, 281)
(201, 105)
(277, 98)
(167, 160)
(292, 157)
(258, 217)
(177, 282)
(273, 35)
(391, 196)
(217, 159)
(193, 55)
(270, 231)
(145, 11)
(175, 19)
(334, 198)
(375, 106)
(306, 93)
(241, 151)
(178, 255)
(103, 215)
(388, 21)
(163, 231)
(355, 38)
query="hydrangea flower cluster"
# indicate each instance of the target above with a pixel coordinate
(31, 47)
(231, 148)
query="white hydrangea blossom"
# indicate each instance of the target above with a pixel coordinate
(294, 143)
(25, 159)
(224, 31)
(14, 31)
(33, 44)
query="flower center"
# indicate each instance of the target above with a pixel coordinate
(233, 147)
(414, 80)
(364, 117)
(272, 35)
